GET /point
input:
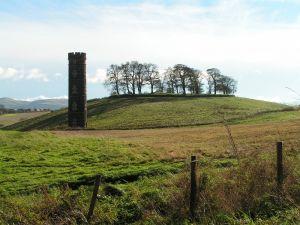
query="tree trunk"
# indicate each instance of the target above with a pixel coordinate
(117, 87)
(127, 86)
(215, 87)
(133, 88)
(196, 88)
(183, 88)
(172, 88)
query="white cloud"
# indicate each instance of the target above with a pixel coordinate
(42, 97)
(233, 35)
(99, 77)
(18, 74)
(230, 31)
(10, 73)
(36, 74)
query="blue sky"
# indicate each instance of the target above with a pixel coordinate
(255, 41)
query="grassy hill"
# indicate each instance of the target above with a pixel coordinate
(155, 112)
(52, 104)
(10, 103)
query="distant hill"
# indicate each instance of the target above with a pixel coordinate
(156, 111)
(52, 104)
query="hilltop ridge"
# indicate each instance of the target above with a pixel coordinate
(155, 111)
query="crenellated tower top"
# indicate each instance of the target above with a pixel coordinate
(77, 57)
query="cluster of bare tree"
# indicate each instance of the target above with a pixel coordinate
(218, 83)
(132, 77)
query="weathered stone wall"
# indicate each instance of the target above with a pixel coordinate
(77, 114)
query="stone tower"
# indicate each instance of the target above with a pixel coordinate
(77, 114)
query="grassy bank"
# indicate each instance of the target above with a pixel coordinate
(34, 159)
(155, 112)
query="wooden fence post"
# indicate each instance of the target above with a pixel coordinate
(94, 199)
(279, 165)
(193, 193)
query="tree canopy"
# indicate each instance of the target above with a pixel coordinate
(138, 78)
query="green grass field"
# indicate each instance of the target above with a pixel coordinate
(155, 112)
(148, 168)
(32, 159)
(9, 119)
(271, 117)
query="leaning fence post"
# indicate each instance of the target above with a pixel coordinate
(94, 198)
(193, 193)
(279, 165)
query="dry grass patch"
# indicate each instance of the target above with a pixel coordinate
(178, 143)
